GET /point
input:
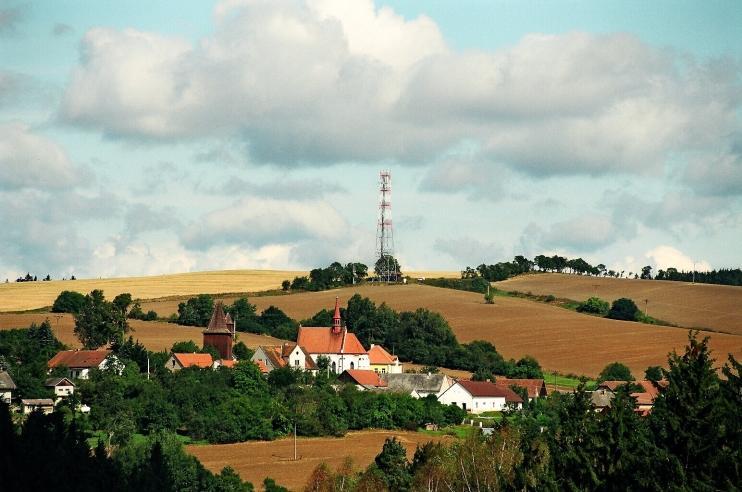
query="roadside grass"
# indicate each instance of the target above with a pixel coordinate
(459, 431)
(570, 381)
(138, 439)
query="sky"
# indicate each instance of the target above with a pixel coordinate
(141, 138)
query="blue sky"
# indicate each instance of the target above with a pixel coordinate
(156, 137)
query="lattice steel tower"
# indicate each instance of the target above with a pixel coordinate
(384, 233)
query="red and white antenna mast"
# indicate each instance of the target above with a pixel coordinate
(388, 271)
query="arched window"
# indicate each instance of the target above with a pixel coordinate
(334, 367)
(352, 366)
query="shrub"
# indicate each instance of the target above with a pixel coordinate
(68, 302)
(594, 305)
(615, 371)
(623, 309)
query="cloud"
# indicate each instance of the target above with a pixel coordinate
(258, 222)
(31, 160)
(586, 233)
(468, 250)
(719, 174)
(319, 82)
(285, 187)
(10, 18)
(664, 257)
(61, 29)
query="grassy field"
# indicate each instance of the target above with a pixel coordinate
(256, 460)
(705, 306)
(32, 295)
(156, 336)
(563, 341)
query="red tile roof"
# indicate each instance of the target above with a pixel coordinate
(198, 360)
(378, 355)
(489, 389)
(227, 362)
(534, 387)
(79, 358)
(261, 365)
(365, 377)
(612, 385)
(218, 323)
(321, 340)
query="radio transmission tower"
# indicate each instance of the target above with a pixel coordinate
(384, 234)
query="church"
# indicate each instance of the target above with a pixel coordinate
(342, 348)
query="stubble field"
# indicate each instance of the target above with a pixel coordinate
(704, 306)
(256, 460)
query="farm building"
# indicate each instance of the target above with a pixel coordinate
(176, 362)
(45, 405)
(341, 347)
(364, 379)
(62, 386)
(601, 397)
(418, 385)
(535, 388)
(270, 357)
(480, 396)
(382, 361)
(80, 362)
(7, 386)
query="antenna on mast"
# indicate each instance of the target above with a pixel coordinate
(384, 232)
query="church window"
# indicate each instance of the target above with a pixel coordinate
(352, 365)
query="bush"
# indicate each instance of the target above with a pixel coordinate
(615, 371)
(594, 305)
(623, 309)
(68, 302)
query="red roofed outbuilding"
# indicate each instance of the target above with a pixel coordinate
(363, 378)
(535, 388)
(178, 361)
(80, 362)
(382, 361)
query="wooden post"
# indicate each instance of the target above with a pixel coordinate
(295, 457)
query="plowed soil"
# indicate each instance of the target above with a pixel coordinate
(156, 336)
(560, 339)
(256, 460)
(704, 306)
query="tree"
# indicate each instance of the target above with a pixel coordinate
(646, 273)
(594, 305)
(68, 302)
(99, 322)
(122, 302)
(623, 309)
(286, 285)
(196, 311)
(615, 371)
(392, 462)
(388, 261)
(653, 373)
(248, 379)
(241, 351)
(187, 347)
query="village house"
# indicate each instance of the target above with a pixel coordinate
(80, 362)
(178, 361)
(382, 361)
(7, 386)
(45, 405)
(480, 396)
(340, 347)
(605, 392)
(535, 388)
(418, 385)
(364, 379)
(270, 357)
(62, 386)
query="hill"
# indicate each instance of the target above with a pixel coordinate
(560, 339)
(703, 306)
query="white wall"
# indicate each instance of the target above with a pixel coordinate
(344, 361)
(5, 396)
(458, 395)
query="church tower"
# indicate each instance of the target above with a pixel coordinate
(336, 328)
(218, 334)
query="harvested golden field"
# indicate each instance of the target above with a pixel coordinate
(256, 460)
(33, 295)
(154, 335)
(704, 306)
(560, 339)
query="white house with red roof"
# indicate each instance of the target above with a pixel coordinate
(480, 396)
(342, 348)
(270, 357)
(80, 362)
(178, 361)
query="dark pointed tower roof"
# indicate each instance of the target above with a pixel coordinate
(218, 323)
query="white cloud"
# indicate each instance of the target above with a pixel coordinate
(469, 251)
(585, 233)
(31, 160)
(663, 257)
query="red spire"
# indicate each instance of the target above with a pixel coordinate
(336, 318)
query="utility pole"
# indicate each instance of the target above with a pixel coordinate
(646, 307)
(147, 367)
(295, 455)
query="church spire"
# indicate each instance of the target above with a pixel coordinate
(336, 318)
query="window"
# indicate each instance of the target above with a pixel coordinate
(296, 362)
(352, 365)
(383, 370)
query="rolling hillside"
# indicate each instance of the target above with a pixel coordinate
(703, 306)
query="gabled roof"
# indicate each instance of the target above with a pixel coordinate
(198, 360)
(227, 363)
(261, 365)
(487, 389)
(364, 377)
(534, 387)
(408, 382)
(321, 340)
(612, 385)
(278, 355)
(378, 355)
(6, 382)
(79, 358)
(51, 382)
(273, 354)
(218, 323)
